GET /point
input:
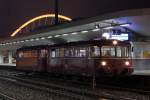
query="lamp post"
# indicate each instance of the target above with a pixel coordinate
(56, 11)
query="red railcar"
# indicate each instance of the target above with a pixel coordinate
(79, 58)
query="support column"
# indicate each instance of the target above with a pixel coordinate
(10, 58)
(1, 58)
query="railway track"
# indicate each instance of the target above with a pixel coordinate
(80, 93)
(71, 92)
(6, 97)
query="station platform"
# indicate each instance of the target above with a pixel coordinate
(141, 72)
(7, 64)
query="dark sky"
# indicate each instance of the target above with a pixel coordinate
(14, 13)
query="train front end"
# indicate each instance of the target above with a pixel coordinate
(116, 58)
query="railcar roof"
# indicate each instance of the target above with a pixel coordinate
(79, 43)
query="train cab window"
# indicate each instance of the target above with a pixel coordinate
(108, 51)
(122, 51)
(95, 51)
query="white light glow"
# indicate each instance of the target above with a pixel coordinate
(49, 37)
(31, 39)
(43, 38)
(37, 39)
(115, 42)
(103, 63)
(106, 35)
(22, 41)
(57, 35)
(127, 63)
(65, 34)
(96, 29)
(125, 25)
(84, 31)
(120, 37)
(74, 33)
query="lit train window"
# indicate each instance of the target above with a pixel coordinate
(82, 53)
(20, 54)
(53, 53)
(108, 51)
(43, 53)
(95, 51)
(28, 54)
(122, 51)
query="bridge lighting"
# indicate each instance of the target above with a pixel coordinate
(57, 35)
(49, 37)
(84, 31)
(96, 29)
(74, 33)
(37, 18)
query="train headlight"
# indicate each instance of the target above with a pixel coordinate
(115, 42)
(103, 63)
(127, 63)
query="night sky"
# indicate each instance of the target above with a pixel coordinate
(16, 12)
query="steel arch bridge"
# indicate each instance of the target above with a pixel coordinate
(39, 21)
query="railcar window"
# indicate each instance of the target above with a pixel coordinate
(122, 51)
(76, 52)
(61, 52)
(43, 53)
(20, 54)
(53, 53)
(82, 53)
(28, 54)
(95, 51)
(108, 51)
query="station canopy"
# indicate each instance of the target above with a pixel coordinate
(83, 30)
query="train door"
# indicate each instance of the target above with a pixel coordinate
(43, 56)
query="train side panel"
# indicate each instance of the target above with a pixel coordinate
(71, 66)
